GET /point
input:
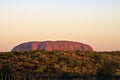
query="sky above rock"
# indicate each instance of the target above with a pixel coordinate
(94, 22)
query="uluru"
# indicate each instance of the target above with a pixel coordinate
(52, 45)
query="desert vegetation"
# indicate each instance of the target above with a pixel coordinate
(59, 65)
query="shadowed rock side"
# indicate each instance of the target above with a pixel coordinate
(52, 45)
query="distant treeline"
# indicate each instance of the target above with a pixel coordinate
(59, 65)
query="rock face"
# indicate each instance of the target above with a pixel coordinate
(52, 45)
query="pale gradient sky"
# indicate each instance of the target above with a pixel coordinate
(94, 22)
